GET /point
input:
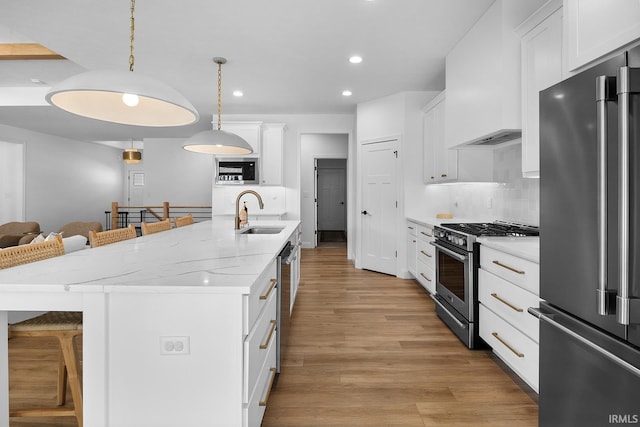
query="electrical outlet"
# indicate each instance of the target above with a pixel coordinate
(174, 346)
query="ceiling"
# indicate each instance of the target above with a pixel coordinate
(287, 56)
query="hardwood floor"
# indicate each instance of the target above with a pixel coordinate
(365, 349)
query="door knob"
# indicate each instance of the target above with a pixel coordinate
(364, 212)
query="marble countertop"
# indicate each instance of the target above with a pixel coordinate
(523, 247)
(206, 257)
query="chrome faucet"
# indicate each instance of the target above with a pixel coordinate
(238, 205)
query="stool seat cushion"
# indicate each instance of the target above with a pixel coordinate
(51, 321)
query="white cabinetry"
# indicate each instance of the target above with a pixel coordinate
(425, 258)
(412, 247)
(249, 131)
(439, 163)
(596, 27)
(271, 154)
(507, 286)
(483, 79)
(542, 66)
(260, 347)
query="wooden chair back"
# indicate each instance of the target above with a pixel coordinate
(181, 221)
(24, 254)
(111, 236)
(155, 227)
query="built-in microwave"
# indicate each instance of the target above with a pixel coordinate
(237, 171)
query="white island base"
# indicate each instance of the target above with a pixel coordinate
(174, 324)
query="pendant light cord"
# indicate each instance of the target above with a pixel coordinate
(133, 27)
(219, 95)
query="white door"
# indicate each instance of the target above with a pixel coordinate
(136, 188)
(379, 207)
(332, 194)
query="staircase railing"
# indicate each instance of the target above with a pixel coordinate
(122, 216)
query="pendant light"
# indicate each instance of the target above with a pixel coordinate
(131, 155)
(123, 97)
(217, 141)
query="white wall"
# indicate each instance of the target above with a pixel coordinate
(11, 182)
(175, 175)
(67, 180)
(327, 146)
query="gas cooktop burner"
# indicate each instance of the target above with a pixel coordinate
(493, 229)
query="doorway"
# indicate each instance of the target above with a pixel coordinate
(331, 202)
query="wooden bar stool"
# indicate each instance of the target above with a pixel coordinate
(62, 325)
(181, 221)
(155, 227)
(101, 238)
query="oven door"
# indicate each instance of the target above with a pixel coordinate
(454, 279)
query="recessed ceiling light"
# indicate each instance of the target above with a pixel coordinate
(355, 59)
(237, 93)
(346, 93)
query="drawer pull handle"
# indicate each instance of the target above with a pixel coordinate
(422, 274)
(511, 306)
(413, 241)
(264, 401)
(273, 328)
(426, 234)
(423, 252)
(272, 284)
(495, 334)
(507, 267)
(410, 228)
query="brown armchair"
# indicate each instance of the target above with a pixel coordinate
(18, 233)
(79, 228)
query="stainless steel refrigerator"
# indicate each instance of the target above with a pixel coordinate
(590, 246)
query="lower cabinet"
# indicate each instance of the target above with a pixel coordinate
(260, 345)
(507, 287)
(425, 255)
(516, 349)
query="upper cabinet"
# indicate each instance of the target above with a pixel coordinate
(542, 66)
(442, 164)
(271, 154)
(439, 163)
(249, 131)
(596, 27)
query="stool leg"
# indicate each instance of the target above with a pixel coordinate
(62, 379)
(71, 361)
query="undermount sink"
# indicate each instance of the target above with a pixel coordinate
(262, 230)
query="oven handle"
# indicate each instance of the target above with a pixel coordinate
(455, 255)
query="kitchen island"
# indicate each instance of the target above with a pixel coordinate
(170, 321)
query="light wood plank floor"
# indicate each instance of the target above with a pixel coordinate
(365, 349)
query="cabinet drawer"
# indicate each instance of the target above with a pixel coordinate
(426, 276)
(522, 272)
(257, 344)
(254, 410)
(412, 228)
(518, 351)
(426, 253)
(264, 287)
(509, 302)
(425, 233)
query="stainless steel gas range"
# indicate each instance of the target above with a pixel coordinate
(457, 262)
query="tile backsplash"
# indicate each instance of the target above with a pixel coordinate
(510, 198)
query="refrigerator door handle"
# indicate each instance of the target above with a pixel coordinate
(605, 92)
(615, 359)
(627, 308)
